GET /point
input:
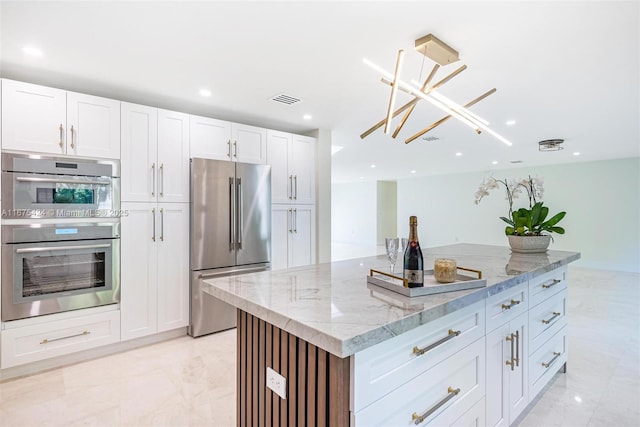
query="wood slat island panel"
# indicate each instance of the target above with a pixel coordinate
(317, 381)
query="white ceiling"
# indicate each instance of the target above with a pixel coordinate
(562, 69)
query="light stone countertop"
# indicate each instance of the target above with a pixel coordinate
(332, 306)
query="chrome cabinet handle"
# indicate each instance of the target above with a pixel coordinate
(60, 180)
(72, 132)
(153, 177)
(295, 180)
(290, 220)
(553, 283)
(550, 362)
(153, 215)
(47, 340)
(161, 224)
(232, 217)
(418, 419)
(549, 320)
(60, 248)
(295, 221)
(420, 351)
(290, 187)
(240, 213)
(161, 179)
(235, 149)
(508, 307)
(61, 143)
(229, 148)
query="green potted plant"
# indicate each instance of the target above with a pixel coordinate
(528, 229)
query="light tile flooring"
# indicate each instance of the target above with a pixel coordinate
(189, 381)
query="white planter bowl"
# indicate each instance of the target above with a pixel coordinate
(529, 244)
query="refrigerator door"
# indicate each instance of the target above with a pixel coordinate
(213, 222)
(254, 213)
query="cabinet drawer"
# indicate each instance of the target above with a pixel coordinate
(42, 341)
(546, 319)
(546, 361)
(384, 367)
(507, 305)
(546, 285)
(447, 390)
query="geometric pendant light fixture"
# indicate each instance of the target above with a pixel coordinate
(442, 54)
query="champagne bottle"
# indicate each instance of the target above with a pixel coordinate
(413, 262)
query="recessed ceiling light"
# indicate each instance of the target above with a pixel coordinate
(373, 166)
(307, 117)
(495, 162)
(32, 51)
(578, 399)
(335, 149)
(205, 92)
(458, 154)
(413, 171)
(577, 153)
(362, 177)
(510, 122)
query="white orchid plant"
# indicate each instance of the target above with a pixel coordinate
(523, 221)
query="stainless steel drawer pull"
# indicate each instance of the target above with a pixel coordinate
(295, 181)
(229, 148)
(161, 179)
(550, 362)
(508, 307)
(419, 419)
(555, 314)
(46, 340)
(553, 283)
(291, 187)
(153, 215)
(60, 248)
(61, 181)
(153, 177)
(420, 351)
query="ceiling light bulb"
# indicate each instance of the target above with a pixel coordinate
(413, 171)
(510, 122)
(205, 92)
(495, 162)
(577, 153)
(32, 51)
(307, 117)
(458, 154)
(373, 166)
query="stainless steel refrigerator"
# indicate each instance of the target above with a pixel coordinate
(230, 233)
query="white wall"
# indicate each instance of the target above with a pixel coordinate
(387, 207)
(353, 220)
(602, 201)
(323, 195)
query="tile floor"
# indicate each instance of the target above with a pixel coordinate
(187, 382)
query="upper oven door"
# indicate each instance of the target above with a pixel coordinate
(58, 187)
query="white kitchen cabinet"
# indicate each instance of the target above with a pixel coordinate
(48, 120)
(507, 365)
(292, 236)
(155, 268)
(155, 155)
(221, 140)
(292, 160)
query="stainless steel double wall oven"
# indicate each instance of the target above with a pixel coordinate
(60, 234)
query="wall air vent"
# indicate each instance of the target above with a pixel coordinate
(550, 145)
(430, 138)
(285, 99)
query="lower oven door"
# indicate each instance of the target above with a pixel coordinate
(51, 277)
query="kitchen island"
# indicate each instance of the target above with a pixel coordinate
(355, 354)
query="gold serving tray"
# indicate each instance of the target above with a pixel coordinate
(431, 286)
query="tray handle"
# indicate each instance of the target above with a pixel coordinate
(478, 272)
(405, 282)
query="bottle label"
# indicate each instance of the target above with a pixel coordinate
(414, 276)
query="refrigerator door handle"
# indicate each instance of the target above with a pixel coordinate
(232, 217)
(230, 272)
(240, 212)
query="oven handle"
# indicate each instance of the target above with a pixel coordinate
(60, 248)
(60, 180)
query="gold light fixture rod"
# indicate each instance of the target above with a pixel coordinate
(436, 50)
(394, 91)
(410, 110)
(445, 118)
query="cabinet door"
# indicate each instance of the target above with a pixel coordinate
(303, 247)
(139, 167)
(278, 144)
(280, 236)
(249, 144)
(173, 265)
(497, 397)
(302, 166)
(173, 156)
(93, 126)
(210, 138)
(33, 117)
(519, 377)
(139, 250)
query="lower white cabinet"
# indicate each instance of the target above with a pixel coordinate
(292, 236)
(507, 371)
(155, 268)
(56, 336)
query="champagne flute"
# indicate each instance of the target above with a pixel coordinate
(391, 244)
(404, 242)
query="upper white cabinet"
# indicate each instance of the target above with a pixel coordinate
(292, 160)
(47, 120)
(217, 139)
(155, 155)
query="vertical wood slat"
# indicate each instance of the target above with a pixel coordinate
(317, 382)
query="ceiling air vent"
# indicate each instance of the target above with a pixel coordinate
(550, 145)
(430, 138)
(285, 99)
